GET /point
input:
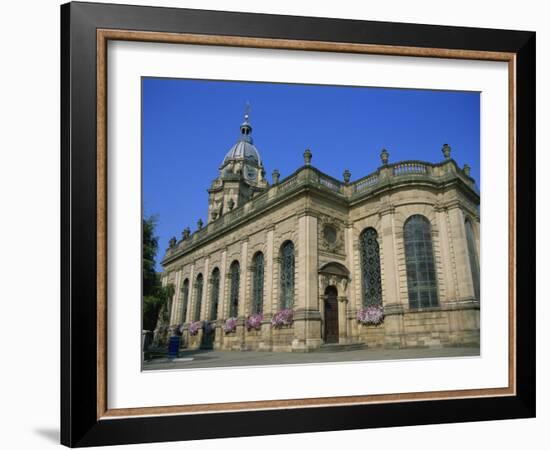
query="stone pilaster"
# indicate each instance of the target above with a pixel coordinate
(307, 276)
(307, 323)
(205, 290)
(192, 293)
(457, 234)
(265, 342)
(389, 264)
(243, 295)
(446, 248)
(223, 292)
(389, 260)
(344, 335)
(243, 291)
(275, 294)
(268, 278)
(175, 300)
(354, 283)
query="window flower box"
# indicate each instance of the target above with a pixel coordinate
(194, 328)
(254, 322)
(282, 318)
(371, 315)
(230, 325)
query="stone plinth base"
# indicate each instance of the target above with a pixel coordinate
(447, 326)
(194, 342)
(450, 325)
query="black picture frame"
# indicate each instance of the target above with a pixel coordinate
(80, 425)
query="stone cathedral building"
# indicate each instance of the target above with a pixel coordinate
(296, 264)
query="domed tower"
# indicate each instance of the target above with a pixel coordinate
(241, 175)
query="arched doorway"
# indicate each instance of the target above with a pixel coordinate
(331, 315)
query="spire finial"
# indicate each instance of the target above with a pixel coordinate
(246, 128)
(307, 156)
(384, 156)
(446, 150)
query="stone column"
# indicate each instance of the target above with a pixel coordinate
(205, 289)
(191, 299)
(307, 281)
(477, 232)
(268, 278)
(175, 300)
(176, 314)
(307, 319)
(265, 342)
(387, 240)
(457, 235)
(218, 340)
(392, 297)
(243, 295)
(354, 284)
(223, 296)
(343, 335)
(243, 291)
(275, 294)
(447, 256)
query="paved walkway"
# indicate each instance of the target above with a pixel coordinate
(213, 358)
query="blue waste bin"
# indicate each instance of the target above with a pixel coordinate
(173, 347)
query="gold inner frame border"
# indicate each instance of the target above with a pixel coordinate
(104, 35)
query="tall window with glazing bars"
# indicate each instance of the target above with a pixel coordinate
(234, 276)
(370, 267)
(184, 299)
(215, 293)
(198, 297)
(419, 258)
(287, 275)
(258, 283)
(472, 253)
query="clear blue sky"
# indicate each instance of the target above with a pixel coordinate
(189, 125)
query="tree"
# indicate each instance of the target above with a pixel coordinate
(155, 296)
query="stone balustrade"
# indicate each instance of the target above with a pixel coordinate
(410, 167)
(384, 176)
(330, 183)
(365, 183)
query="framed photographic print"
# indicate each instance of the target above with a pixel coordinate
(277, 224)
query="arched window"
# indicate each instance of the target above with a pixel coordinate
(184, 299)
(234, 273)
(215, 293)
(370, 267)
(419, 258)
(472, 253)
(198, 297)
(287, 275)
(258, 283)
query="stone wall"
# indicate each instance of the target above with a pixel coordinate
(303, 216)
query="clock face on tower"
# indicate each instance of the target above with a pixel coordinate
(250, 173)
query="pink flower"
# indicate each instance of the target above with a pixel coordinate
(230, 325)
(371, 315)
(282, 318)
(254, 321)
(194, 328)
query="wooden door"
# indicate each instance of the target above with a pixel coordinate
(331, 315)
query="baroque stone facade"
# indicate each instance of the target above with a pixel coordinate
(404, 240)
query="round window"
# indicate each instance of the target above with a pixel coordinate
(329, 233)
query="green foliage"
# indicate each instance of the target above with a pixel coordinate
(151, 279)
(156, 297)
(151, 309)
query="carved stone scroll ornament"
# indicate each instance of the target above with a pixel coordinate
(331, 235)
(339, 281)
